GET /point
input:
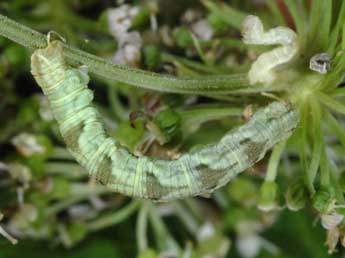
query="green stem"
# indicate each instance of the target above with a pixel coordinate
(325, 172)
(196, 66)
(186, 217)
(336, 127)
(274, 162)
(67, 169)
(141, 231)
(60, 153)
(78, 192)
(331, 103)
(114, 218)
(116, 107)
(318, 144)
(162, 236)
(220, 84)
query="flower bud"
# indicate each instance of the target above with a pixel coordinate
(268, 196)
(322, 201)
(152, 56)
(296, 196)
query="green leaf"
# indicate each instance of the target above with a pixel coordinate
(168, 123)
(229, 15)
(339, 26)
(135, 132)
(330, 102)
(298, 13)
(320, 24)
(302, 141)
(273, 6)
(318, 144)
(336, 128)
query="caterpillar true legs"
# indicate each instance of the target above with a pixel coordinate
(198, 172)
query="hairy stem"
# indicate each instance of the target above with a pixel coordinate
(214, 84)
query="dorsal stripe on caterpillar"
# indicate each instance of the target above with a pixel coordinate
(197, 172)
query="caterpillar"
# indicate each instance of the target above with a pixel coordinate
(262, 70)
(197, 172)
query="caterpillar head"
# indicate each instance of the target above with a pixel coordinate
(47, 58)
(48, 65)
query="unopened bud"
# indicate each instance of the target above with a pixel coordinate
(322, 201)
(295, 196)
(268, 196)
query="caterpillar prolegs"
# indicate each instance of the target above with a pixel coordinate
(194, 173)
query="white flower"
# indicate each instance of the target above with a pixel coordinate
(203, 30)
(27, 144)
(129, 43)
(331, 221)
(249, 245)
(120, 20)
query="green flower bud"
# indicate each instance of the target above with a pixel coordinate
(168, 122)
(142, 18)
(268, 196)
(136, 132)
(243, 190)
(152, 56)
(322, 201)
(296, 196)
(183, 37)
(217, 23)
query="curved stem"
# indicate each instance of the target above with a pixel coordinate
(112, 219)
(273, 163)
(141, 228)
(214, 84)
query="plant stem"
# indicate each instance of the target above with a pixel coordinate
(78, 192)
(318, 144)
(186, 218)
(141, 231)
(114, 218)
(216, 84)
(274, 162)
(164, 239)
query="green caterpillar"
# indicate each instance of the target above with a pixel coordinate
(198, 172)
